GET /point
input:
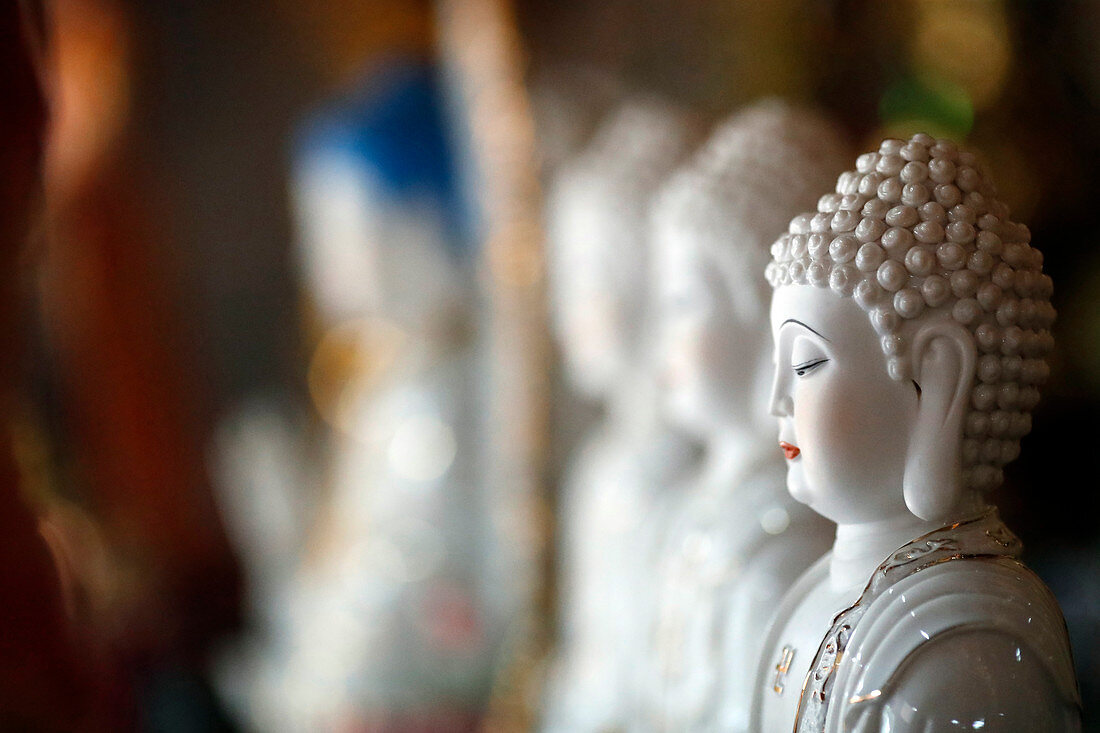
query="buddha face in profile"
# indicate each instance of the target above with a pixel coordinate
(911, 320)
(845, 419)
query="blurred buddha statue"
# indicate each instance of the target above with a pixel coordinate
(911, 320)
(597, 252)
(732, 547)
(391, 614)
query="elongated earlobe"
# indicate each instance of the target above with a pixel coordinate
(944, 357)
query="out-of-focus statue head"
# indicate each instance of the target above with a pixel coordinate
(713, 225)
(598, 239)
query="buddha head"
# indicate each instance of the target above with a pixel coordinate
(597, 239)
(713, 224)
(911, 322)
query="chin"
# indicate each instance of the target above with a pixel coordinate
(796, 485)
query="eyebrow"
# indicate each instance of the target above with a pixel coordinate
(808, 328)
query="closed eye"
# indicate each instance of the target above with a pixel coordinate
(806, 367)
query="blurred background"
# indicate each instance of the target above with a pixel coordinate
(281, 394)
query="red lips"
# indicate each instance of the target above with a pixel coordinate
(790, 451)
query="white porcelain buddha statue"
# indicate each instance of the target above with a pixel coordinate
(391, 613)
(911, 320)
(732, 539)
(597, 255)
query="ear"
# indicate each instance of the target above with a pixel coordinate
(943, 357)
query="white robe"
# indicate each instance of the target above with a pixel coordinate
(951, 632)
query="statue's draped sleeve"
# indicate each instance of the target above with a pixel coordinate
(971, 642)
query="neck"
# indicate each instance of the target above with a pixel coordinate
(862, 547)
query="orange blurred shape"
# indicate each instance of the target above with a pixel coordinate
(351, 360)
(131, 395)
(91, 97)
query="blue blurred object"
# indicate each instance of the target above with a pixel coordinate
(393, 122)
(376, 586)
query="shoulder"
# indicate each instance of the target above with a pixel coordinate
(942, 633)
(969, 678)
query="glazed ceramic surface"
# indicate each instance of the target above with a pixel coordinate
(911, 320)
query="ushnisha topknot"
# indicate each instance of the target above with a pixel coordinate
(917, 228)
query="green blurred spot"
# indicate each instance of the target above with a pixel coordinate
(927, 104)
